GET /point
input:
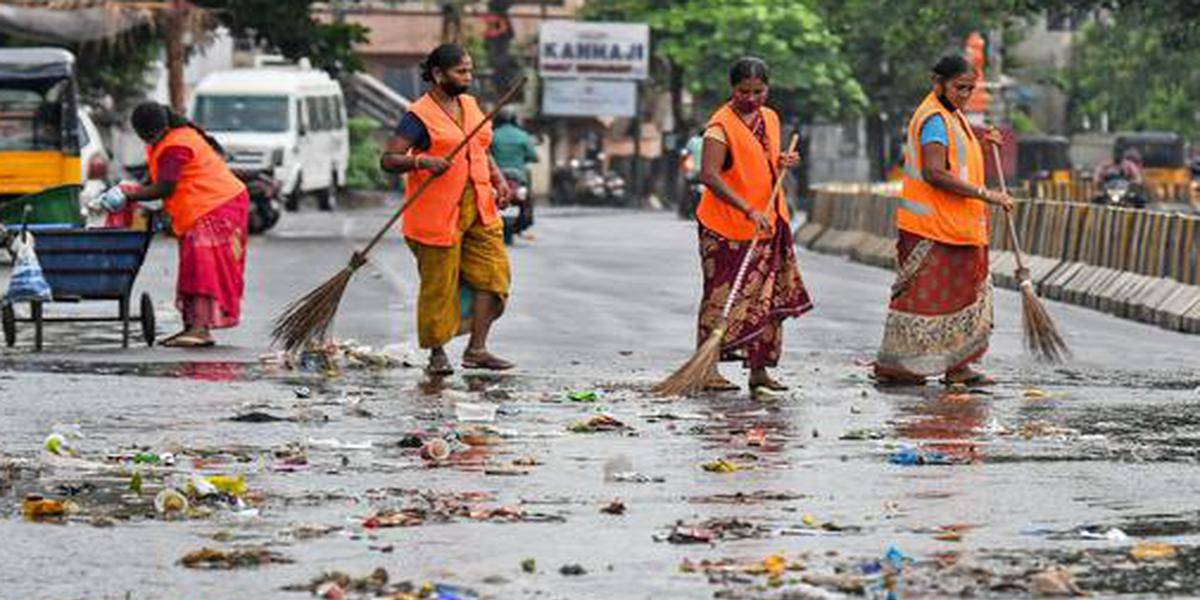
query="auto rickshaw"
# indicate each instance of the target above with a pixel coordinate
(1043, 158)
(39, 136)
(1165, 170)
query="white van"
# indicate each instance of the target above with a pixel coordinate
(288, 120)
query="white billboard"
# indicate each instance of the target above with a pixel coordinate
(588, 98)
(594, 50)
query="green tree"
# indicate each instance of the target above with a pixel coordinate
(1137, 75)
(288, 26)
(892, 46)
(699, 39)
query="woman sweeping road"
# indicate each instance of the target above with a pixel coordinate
(455, 230)
(740, 163)
(209, 209)
(940, 318)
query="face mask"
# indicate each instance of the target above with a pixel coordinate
(745, 103)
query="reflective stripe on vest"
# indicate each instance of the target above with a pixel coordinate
(932, 212)
(912, 149)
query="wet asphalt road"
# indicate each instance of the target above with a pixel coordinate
(601, 300)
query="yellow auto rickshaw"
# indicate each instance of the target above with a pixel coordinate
(39, 135)
(1043, 158)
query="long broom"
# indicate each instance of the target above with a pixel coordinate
(690, 378)
(1041, 335)
(310, 317)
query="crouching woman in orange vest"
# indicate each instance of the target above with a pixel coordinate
(209, 209)
(454, 228)
(740, 162)
(940, 318)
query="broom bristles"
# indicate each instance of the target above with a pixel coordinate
(1041, 335)
(691, 377)
(310, 317)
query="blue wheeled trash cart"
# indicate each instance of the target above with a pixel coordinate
(87, 265)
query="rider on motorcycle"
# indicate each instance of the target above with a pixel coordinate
(1127, 168)
(513, 150)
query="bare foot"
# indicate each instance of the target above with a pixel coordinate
(439, 364)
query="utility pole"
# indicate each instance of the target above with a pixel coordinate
(176, 54)
(452, 21)
(498, 40)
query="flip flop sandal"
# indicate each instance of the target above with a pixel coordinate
(188, 341)
(892, 381)
(491, 364)
(774, 386)
(762, 392)
(171, 338)
(723, 385)
(974, 380)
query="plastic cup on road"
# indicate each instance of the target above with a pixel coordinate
(435, 449)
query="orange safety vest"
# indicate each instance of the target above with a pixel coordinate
(205, 184)
(932, 212)
(751, 176)
(433, 219)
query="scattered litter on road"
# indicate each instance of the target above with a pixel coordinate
(529, 565)
(635, 477)
(435, 449)
(1113, 535)
(754, 497)
(170, 502)
(258, 417)
(336, 584)
(1149, 551)
(1054, 581)
(863, 434)
(616, 507)
(723, 466)
(1035, 394)
(37, 508)
(209, 558)
(597, 424)
(572, 570)
(584, 396)
(913, 456)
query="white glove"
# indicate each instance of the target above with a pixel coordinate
(112, 200)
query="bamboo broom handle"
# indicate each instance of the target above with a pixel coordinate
(512, 91)
(1008, 219)
(741, 274)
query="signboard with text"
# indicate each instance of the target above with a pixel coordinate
(577, 49)
(588, 98)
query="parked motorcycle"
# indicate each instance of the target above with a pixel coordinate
(584, 181)
(265, 206)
